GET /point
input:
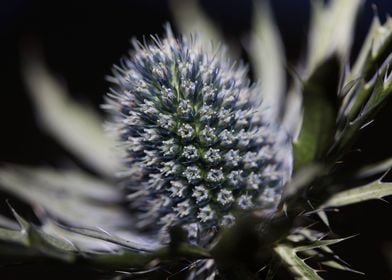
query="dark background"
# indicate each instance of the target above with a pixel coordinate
(82, 39)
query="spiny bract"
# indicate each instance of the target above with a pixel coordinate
(198, 145)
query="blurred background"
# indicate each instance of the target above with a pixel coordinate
(81, 40)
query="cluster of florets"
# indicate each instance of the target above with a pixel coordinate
(198, 148)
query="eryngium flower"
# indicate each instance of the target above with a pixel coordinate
(199, 144)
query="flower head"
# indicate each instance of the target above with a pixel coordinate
(198, 143)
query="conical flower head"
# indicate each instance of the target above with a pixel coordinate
(198, 145)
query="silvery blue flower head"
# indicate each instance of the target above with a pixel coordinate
(198, 141)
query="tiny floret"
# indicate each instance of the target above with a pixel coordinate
(225, 197)
(200, 193)
(205, 214)
(192, 174)
(212, 156)
(186, 131)
(190, 152)
(215, 176)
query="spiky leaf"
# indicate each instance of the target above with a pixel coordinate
(38, 241)
(71, 196)
(191, 19)
(296, 265)
(376, 168)
(267, 55)
(75, 126)
(331, 27)
(374, 190)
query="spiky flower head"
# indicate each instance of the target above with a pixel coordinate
(199, 143)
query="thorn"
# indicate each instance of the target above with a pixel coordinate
(311, 225)
(307, 258)
(285, 210)
(351, 236)
(104, 231)
(384, 200)
(322, 236)
(384, 175)
(341, 260)
(261, 269)
(310, 204)
(366, 124)
(375, 11)
(386, 76)
(24, 225)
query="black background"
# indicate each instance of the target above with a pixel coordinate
(82, 39)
